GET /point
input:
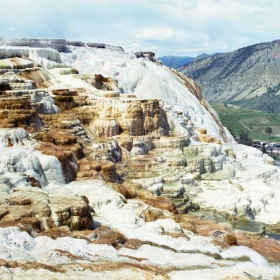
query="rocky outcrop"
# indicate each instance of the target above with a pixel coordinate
(106, 127)
(195, 89)
(73, 212)
(66, 157)
(57, 44)
(147, 55)
(96, 45)
(27, 119)
(64, 98)
(37, 212)
(129, 116)
(172, 141)
(99, 82)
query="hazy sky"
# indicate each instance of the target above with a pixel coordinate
(178, 27)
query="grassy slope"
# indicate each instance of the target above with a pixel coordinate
(239, 119)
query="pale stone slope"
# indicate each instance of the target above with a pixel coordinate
(53, 230)
(146, 79)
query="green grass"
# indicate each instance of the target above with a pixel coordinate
(238, 119)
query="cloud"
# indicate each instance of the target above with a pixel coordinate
(11, 29)
(157, 34)
(163, 26)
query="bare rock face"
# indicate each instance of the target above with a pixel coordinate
(141, 146)
(172, 141)
(101, 169)
(104, 83)
(146, 79)
(88, 169)
(16, 105)
(147, 55)
(25, 204)
(130, 116)
(57, 44)
(62, 129)
(98, 81)
(108, 170)
(127, 191)
(186, 222)
(23, 73)
(64, 98)
(54, 233)
(66, 156)
(106, 127)
(19, 103)
(36, 74)
(104, 235)
(73, 212)
(114, 150)
(269, 248)
(16, 63)
(27, 119)
(15, 85)
(215, 117)
(44, 103)
(161, 203)
(36, 211)
(204, 137)
(137, 145)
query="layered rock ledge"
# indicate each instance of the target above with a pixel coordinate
(115, 166)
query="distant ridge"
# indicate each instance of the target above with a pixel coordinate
(175, 61)
(179, 61)
(248, 77)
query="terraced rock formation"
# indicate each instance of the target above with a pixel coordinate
(123, 172)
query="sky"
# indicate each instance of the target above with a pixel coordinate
(166, 27)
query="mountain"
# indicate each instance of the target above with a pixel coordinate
(175, 61)
(179, 61)
(201, 56)
(248, 77)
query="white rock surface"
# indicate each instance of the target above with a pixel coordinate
(45, 103)
(143, 78)
(21, 157)
(254, 191)
(235, 271)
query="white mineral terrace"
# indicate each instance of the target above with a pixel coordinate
(155, 169)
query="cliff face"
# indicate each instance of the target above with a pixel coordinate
(131, 117)
(247, 77)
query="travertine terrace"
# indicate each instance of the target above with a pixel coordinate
(113, 166)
